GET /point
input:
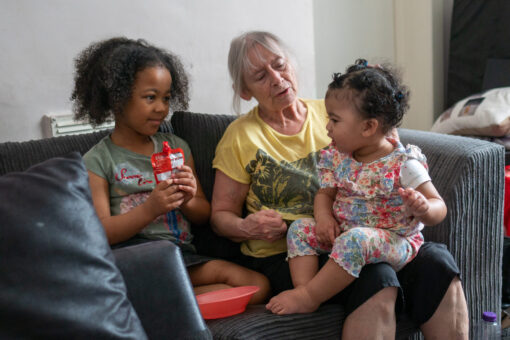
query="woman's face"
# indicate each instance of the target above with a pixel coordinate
(271, 80)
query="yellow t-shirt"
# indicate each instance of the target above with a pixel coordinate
(280, 169)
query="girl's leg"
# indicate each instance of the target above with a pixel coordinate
(303, 269)
(352, 250)
(219, 274)
(329, 281)
(303, 251)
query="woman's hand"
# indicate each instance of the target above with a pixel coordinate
(165, 197)
(185, 180)
(415, 203)
(265, 225)
(326, 229)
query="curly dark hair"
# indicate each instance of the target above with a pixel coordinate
(106, 71)
(377, 90)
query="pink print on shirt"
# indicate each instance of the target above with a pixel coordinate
(121, 176)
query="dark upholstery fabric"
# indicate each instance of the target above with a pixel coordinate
(480, 31)
(18, 156)
(469, 175)
(256, 323)
(203, 132)
(157, 282)
(58, 278)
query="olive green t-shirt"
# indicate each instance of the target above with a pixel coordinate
(131, 180)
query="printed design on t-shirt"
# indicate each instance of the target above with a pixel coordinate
(288, 187)
(173, 220)
(128, 174)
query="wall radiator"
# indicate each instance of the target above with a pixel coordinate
(64, 124)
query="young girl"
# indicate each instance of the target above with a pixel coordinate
(375, 195)
(136, 83)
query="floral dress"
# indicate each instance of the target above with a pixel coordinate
(368, 209)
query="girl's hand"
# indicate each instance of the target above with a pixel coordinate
(415, 203)
(185, 181)
(165, 197)
(326, 229)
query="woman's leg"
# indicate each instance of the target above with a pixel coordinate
(434, 295)
(450, 320)
(374, 319)
(219, 274)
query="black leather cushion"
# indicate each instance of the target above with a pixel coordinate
(58, 278)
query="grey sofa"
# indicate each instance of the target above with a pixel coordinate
(468, 173)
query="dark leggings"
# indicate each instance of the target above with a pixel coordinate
(422, 283)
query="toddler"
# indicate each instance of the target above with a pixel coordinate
(136, 83)
(375, 194)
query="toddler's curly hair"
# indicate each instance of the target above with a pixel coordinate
(106, 71)
(377, 92)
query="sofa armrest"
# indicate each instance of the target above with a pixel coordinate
(159, 289)
(469, 174)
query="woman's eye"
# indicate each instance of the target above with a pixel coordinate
(260, 76)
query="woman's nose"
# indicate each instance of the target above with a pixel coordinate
(276, 77)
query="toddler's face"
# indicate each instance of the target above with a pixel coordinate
(149, 102)
(345, 123)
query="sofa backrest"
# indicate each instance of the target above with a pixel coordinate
(19, 156)
(202, 132)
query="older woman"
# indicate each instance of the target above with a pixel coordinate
(266, 163)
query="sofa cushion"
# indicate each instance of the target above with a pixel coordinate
(58, 276)
(202, 132)
(485, 114)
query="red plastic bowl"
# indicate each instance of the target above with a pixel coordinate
(225, 302)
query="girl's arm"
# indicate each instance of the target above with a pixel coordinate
(327, 228)
(195, 207)
(165, 197)
(424, 203)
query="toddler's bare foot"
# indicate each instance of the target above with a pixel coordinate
(292, 301)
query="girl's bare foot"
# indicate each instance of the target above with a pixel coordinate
(296, 300)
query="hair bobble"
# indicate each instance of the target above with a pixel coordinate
(399, 96)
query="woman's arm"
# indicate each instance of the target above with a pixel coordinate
(165, 197)
(227, 205)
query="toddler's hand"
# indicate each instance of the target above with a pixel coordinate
(415, 203)
(326, 229)
(186, 182)
(165, 197)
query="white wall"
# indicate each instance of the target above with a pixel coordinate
(346, 30)
(413, 34)
(40, 39)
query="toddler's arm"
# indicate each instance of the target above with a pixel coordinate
(326, 228)
(424, 203)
